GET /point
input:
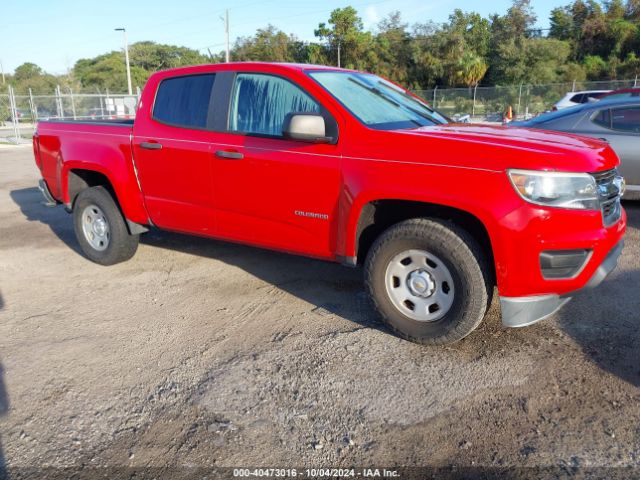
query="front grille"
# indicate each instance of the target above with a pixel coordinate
(609, 192)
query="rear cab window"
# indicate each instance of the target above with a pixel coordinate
(184, 101)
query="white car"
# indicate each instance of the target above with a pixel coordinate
(572, 99)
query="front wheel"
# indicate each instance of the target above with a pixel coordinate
(429, 280)
(100, 228)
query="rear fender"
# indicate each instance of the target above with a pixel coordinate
(113, 162)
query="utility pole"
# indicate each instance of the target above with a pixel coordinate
(2, 70)
(126, 56)
(225, 19)
(339, 53)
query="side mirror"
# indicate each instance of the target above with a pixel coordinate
(305, 127)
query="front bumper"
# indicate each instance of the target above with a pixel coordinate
(523, 311)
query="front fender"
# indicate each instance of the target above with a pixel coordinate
(484, 194)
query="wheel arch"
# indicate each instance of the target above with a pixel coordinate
(81, 178)
(378, 215)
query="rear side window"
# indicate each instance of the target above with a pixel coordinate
(184, 101)
(260, 103)
(626, 119)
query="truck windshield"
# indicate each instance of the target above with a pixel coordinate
(376, 102)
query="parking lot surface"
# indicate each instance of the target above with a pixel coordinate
(199, 353)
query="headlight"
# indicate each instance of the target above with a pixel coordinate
(556, 189)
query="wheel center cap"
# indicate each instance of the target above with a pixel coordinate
(420, 283)
(99, 227)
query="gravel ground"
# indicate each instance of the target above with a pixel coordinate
(199, 353)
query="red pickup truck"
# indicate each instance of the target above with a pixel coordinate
(348, 167)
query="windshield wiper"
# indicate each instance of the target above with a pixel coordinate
(380, 94)
(428, 116)
(375, 90)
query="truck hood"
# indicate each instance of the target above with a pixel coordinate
(498, 147)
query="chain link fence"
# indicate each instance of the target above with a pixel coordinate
(491, 103)
(20, 113)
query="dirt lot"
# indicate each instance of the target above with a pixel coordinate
(199, 353)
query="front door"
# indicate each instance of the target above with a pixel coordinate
(270, 190)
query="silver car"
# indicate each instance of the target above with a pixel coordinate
(616, 121)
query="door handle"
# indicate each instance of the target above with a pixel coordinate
(151, 145)
(229, 155)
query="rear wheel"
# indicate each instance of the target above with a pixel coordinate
(429, 280)
(101, 229)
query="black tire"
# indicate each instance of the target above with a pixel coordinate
(121, 245)
(467, 266)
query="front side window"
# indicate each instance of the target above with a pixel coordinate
(260, 103)
(184, 101)
(626, 119)
(376, 102)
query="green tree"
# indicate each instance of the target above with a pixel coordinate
(108, 71)
(632, 11)
(588, 39)
(471, 69)
(151, 56)
(348, 43)
(595, 67)
(31, 76)
(393, 51)
(561, 24)
(27, 71)
(509, 34)
(547, 60)
(473, 28)
(615, 9)
(268, 44)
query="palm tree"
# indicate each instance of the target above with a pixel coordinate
(471, 69)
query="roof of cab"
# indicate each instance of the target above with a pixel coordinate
(276, 66)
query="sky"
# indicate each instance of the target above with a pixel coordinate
(54, 34)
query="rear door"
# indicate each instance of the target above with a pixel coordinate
(620, 126)
(172, 153)
(269, 190)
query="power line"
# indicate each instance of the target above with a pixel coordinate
(136, 32)
(325, 10)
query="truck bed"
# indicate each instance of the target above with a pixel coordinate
(101, 146)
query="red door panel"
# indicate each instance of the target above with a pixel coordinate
(282, 194)
(176, 179)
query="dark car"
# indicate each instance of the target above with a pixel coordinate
(616, 121)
